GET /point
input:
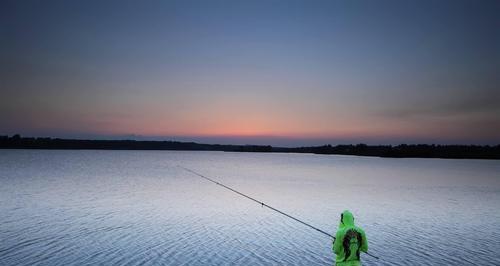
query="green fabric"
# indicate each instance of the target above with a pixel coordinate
(349, 232)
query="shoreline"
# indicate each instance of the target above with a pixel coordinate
(383, 151)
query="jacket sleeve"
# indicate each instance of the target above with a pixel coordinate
(337, 243)
(364, 245)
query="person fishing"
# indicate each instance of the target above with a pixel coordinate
(349, 241)
(351, 238)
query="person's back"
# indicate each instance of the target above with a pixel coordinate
(350, 241)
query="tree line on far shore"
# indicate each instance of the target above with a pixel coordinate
(398, 151)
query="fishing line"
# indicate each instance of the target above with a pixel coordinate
(264, 205)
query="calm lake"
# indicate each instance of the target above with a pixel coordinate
(141, 208)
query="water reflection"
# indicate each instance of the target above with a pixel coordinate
(139, 208)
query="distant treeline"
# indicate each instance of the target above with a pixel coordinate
(399, 151)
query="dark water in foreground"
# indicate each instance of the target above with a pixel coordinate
(139, 208)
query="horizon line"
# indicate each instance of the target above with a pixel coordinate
(172, 139)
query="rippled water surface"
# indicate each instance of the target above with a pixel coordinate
(140, 208)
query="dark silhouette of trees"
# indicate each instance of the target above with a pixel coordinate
(399, 151)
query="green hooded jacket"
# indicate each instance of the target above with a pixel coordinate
(350, 242)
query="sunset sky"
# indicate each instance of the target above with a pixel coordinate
(286, 73)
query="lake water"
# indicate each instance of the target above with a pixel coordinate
(140, 208)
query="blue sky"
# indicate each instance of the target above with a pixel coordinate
(267, 72)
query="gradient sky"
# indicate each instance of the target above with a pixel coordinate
(268, 72)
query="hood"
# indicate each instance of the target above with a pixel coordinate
(347, 219)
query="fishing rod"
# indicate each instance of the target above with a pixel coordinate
(264, 205)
